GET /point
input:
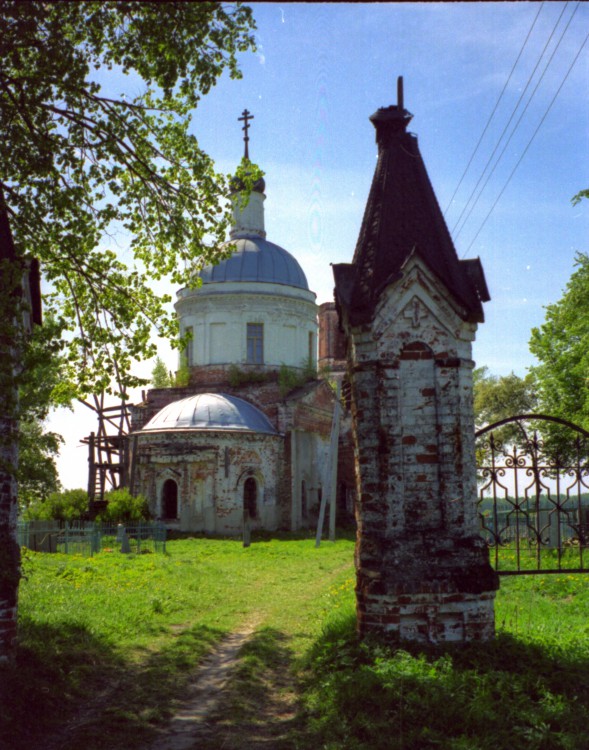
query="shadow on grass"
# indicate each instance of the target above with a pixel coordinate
(501, 695)
(69, 688)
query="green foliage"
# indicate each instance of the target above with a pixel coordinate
(238, 377)
(134, 628)
(497, 398)
(37, 474)
(124, 507)
(160, 376)
(41, 384)
(182, 377)
(290, 378)
(68, 505)
(561, 346)
(527, 689)
(81, 165)
(579, 196)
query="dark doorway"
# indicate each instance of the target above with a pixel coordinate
(170, 499)
(250, 496)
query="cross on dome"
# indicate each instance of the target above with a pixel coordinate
(246, 116)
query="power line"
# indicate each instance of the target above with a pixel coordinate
(519, 101)
(529, 143)
(517, 123)
(476, 148)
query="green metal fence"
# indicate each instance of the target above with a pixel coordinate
(83, 538)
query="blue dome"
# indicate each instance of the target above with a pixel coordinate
(256, 259)
(211, 411)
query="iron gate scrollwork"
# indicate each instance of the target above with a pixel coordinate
(533, 494)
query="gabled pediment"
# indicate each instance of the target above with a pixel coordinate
(417, 302)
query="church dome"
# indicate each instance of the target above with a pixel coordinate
(211, 411)
(256, 259)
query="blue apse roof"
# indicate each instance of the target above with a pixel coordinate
(256, 259)
(211, 411)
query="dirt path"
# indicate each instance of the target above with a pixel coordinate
(189, 723)
(227, 710)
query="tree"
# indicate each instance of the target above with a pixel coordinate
(561, 346)
(79, 165)
(499, 397)
(160, 376)
(37, 474)
(41, 379)
(69, 505)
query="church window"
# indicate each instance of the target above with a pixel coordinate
(250, 496)
(255, 343)
(170, 500)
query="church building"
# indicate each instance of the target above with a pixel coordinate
(250, 433)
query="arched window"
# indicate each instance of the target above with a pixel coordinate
(170, 499)
(250, 496)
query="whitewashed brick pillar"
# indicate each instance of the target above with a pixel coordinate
(410, 310)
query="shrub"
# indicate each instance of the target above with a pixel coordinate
(69, 505)
(238, 377)
(123, 506)
(290, 378)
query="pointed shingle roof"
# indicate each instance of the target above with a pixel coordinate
(402, 217)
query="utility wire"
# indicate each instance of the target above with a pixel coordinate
(476, 148)
(481, 191)
(490, 159)
(572, 65)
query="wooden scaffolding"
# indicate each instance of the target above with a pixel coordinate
(108, 450)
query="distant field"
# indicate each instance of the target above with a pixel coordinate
(107, 644)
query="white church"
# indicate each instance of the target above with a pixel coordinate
(240, 439)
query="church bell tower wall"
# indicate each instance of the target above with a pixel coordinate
(225, 317)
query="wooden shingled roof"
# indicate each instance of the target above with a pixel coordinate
(403, 217)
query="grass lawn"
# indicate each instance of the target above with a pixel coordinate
(107, 644)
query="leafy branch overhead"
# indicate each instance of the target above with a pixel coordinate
(86, 169)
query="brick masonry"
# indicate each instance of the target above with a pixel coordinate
(211, 467)
(422, 569)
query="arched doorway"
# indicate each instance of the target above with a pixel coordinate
(170, 499)
(250, 496)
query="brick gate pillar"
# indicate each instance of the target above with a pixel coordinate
(410, 311)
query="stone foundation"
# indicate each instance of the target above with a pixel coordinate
(428, 617)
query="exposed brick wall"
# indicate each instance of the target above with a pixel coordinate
(422, 569)
(332, 341)
(198, 457)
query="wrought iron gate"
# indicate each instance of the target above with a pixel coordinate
(533, 504)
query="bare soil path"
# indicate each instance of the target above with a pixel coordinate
(241, 697)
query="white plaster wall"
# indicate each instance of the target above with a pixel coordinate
(288, 315)
(309, 463)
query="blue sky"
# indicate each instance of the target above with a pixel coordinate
(322, 69)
